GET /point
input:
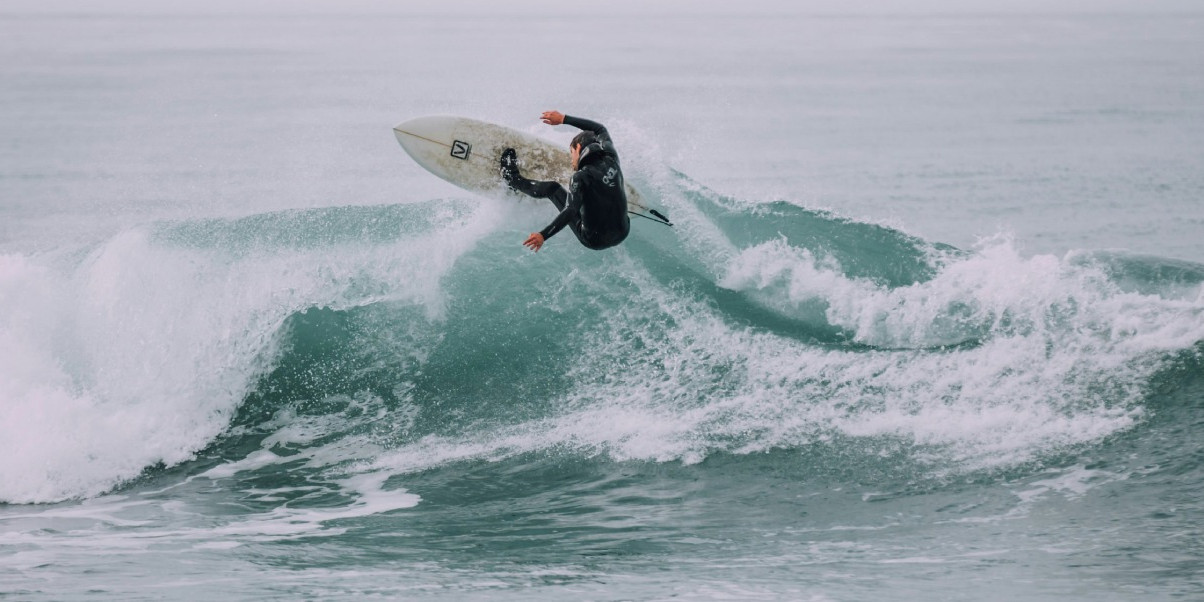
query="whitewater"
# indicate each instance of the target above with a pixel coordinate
(928, 324)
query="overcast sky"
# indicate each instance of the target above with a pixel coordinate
(632, 7)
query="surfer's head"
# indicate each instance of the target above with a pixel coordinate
(580, 141)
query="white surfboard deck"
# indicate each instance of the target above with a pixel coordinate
(468, 152)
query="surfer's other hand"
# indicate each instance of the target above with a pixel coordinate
(534, 242)
(553, 117)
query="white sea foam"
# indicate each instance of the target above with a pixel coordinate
(141, 353)
(995, 291)
(1062, 358)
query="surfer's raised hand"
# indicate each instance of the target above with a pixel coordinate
(553, 117)
(534, 242)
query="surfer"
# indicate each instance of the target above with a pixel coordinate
(595, 205)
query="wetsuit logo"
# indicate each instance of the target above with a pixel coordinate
(460, 150)
(609, 178)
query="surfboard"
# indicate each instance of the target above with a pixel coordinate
(467, 152)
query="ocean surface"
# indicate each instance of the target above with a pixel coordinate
(929, 325)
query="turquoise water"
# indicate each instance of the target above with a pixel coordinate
(929, 324)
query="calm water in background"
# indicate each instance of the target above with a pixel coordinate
(928, 326)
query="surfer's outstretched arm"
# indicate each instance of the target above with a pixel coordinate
(570, 211)
(570, 215)
(581, 123)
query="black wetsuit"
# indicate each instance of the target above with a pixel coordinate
(595, 205)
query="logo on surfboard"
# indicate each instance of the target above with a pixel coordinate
(460, 150)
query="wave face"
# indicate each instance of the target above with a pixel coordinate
(141, 353)
(383, 341)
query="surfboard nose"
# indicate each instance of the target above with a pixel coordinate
(409, 125)
(430, 128)
(401, 129)
(427, 125)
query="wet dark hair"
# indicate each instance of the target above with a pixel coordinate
(584, 139)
